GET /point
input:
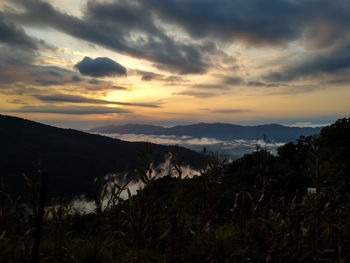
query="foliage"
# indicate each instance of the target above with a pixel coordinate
(255, 209)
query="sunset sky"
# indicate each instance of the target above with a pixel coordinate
(82, 64)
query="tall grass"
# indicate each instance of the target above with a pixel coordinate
(210, 218)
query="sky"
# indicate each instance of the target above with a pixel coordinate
(82, 64)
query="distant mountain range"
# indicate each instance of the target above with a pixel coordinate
(215, 130)
(71, 158)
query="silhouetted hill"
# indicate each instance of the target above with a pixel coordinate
(130, 128)
(72, 158)
(215, 130)
(255, 209)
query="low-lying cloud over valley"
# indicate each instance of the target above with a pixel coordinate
(229, 149)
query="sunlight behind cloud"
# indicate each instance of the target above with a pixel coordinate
(272, 65)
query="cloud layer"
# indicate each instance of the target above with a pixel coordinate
(165, 54)
(14, 35)
(76, 110)
(134, 28)
(82, 99)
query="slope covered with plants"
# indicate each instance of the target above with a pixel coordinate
(71, 158)
(259, 208)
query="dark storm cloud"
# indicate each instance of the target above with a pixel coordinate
(319, 23)
(154, 44)
(258, 22)
(253, 21)
(100, 67)
(138, 28)
(77, 110)
(125, 27)
(82, 99)
(335, 63)
(15, 35)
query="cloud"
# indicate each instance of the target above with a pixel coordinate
(253, 22)
(271, 22)
(94, 81)
(203, 90)
(233, 81)
(12, 34)
(225, 84)
(81, 99)
(280, 88)
(22, 72)
(334, 62)
(76, 79)
(258, 83)
(229, 148)
(123, 26)
(45, 82)
(17, 101)
(140, 28)
(14, 64)
(210, 87)
(305, 124)
(228, 111)
(100, 67)
(18, 68)
(196, 94)
(120, 88)
(75, 110)
(149, 76)
(19, 74)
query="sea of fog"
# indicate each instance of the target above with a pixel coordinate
(127, 187)
(227, 149)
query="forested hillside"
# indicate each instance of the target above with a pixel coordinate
(292, 207)
(71, 158)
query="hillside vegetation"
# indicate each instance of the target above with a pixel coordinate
(255, 209)
(72, 158)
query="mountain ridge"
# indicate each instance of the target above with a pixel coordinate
(71, 158)
(214, 130)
